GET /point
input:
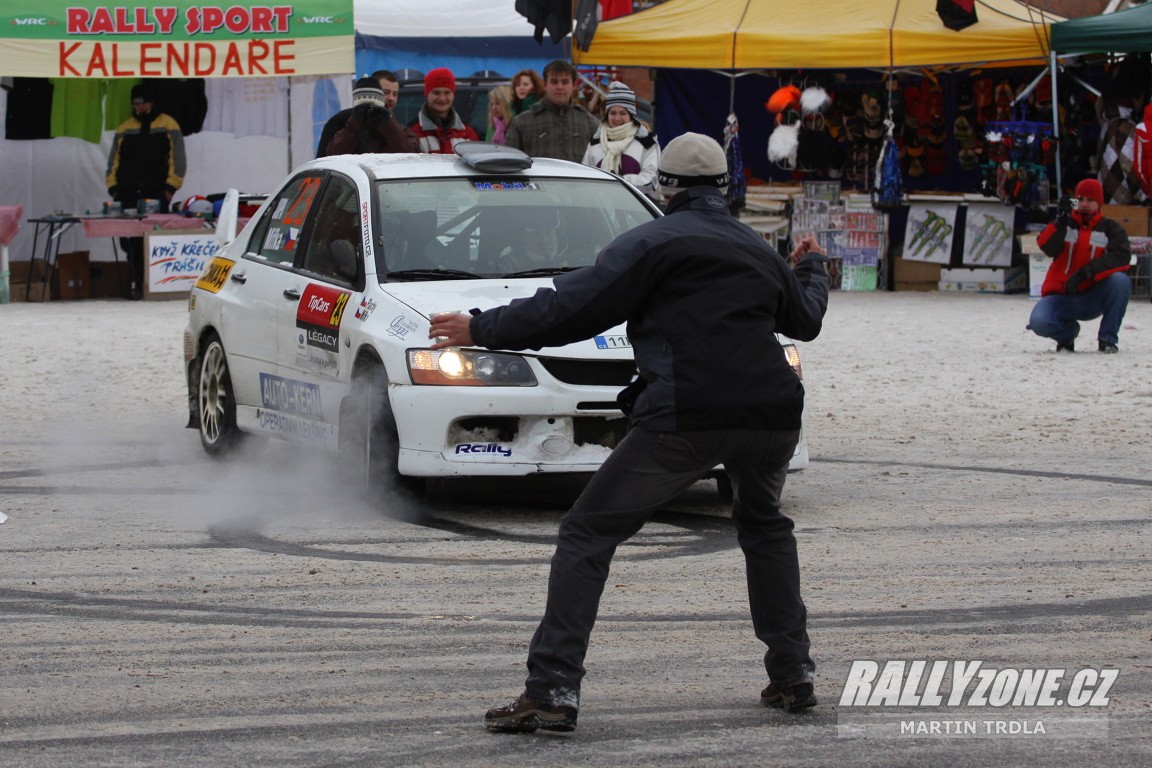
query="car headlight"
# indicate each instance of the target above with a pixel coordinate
(468, 368)
(793, 356)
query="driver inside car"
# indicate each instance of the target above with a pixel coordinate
(539, 245)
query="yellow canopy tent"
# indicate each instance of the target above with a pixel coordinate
(824, 34)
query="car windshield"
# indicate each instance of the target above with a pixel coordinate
(466, 227)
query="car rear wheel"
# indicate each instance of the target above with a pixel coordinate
(369, 441)
(217, 403)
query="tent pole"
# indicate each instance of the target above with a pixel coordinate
(1056, 122)
(289, 123)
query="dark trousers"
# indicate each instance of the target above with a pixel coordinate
(1055, 316)
(646, 470)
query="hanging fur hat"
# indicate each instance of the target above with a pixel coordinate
(784, 97)
(782, 145)
(814, 99)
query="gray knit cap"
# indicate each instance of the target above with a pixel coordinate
(692, 160)
(620, 95)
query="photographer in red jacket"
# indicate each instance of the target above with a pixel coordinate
(1088, 277)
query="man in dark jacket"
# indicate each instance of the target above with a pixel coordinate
(369, 91)
(704, 297)
(1088, 276)
(147, 162)
(370, 127)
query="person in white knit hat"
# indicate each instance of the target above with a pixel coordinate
(623, 145)
(704, 297)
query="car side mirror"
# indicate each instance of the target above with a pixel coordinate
(344, 259)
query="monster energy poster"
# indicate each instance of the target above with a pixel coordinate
(988, 235)
(930, 232)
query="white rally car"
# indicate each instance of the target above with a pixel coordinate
(312, 324)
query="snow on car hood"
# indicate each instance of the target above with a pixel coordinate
(430, 298)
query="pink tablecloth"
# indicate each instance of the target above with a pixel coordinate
(9, 222)
(121, 226)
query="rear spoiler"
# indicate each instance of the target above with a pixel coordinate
(229, 216)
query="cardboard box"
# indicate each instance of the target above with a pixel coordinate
(18, 288)
(1038, 265)
(858, 278)
(1134, 218)
(108, 279)
(915, 275)
(1008, 280)
(72, 278)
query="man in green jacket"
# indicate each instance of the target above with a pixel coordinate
(554, 126)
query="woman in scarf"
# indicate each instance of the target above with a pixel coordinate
(623, 145)
(527, 88)
(499, 113)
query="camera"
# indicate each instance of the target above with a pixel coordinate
(1064, 210)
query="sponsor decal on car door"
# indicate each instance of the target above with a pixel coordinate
(318, 317)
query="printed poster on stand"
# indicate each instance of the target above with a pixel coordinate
(176, 260)
(988, 235)
(929, 233)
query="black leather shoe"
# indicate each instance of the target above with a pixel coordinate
(1108, 348)
(1069, 347)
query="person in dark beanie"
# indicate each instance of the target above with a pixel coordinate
(381, 89)
(704, 297)
(1088, 276)
(437, 127)
(370, 127)
(147, 162)
(623, 145)
(554, 126)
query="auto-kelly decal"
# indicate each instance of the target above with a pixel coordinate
(318, 316)
(290, 396)
(215, 275)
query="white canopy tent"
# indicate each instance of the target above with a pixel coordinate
(67, 174)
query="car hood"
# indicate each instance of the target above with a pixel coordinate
(430, 298)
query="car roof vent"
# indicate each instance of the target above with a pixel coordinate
(493, 158)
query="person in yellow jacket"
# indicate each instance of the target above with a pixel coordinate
(147, 162)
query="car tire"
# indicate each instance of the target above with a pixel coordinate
(369, 441)
(216, 401)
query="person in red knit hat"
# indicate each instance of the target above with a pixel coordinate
(438, 127)
(1088, 277)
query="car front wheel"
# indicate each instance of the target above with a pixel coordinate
(217, 403)
(369, 442)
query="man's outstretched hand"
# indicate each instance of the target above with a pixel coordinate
(451, 329)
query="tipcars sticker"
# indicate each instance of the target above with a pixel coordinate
(612, 342)
(214, 276)
(290, 396)
(318, 317)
